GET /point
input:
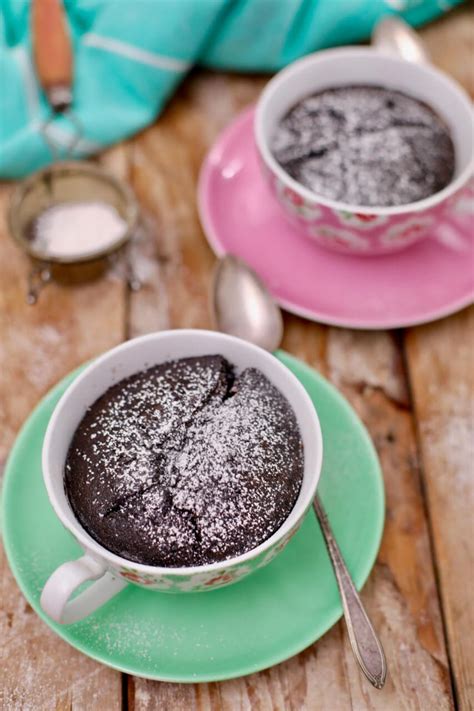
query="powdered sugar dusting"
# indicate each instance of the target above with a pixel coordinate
(366, 146)
(183, 465)
(74, 229)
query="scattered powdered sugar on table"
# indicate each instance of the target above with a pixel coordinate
(366, 146)
(77, 228)
(183, 464)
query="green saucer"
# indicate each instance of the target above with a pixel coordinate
(255, 623)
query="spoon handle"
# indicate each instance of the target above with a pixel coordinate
(364, 641)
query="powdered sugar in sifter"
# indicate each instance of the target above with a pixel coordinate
(72, 211)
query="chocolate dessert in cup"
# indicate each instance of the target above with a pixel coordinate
(387, 84)
(253, 368)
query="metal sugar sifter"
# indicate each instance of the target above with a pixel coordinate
(59, 196)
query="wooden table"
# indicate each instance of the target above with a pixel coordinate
(411, 388)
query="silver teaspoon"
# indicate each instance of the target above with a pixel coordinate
(243, 307)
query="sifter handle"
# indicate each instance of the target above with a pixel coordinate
(52, 52)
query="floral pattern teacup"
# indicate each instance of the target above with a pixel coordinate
(357, 229)
(112, 572)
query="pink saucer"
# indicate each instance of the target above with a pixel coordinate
(425, 282)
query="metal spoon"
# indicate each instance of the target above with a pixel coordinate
(394, 36)
(243, 307)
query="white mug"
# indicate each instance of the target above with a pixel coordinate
(112, 572)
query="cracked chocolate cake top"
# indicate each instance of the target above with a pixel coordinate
(185, 463)
(365, 146)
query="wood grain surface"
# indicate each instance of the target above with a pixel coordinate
(413, 390)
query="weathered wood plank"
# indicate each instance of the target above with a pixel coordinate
(312, 680)
(450, 42)
(440, 361)
(39, 671)
(440, 364)
(401, 596)
(38, 345)
(164, 166)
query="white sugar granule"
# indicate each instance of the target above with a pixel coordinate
(77, 228)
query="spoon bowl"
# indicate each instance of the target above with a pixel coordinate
(243, 306)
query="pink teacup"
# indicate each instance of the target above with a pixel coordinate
(350, 228)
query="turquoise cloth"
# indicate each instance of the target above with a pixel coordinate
(129, 55)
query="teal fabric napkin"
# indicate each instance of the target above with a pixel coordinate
(129, 55)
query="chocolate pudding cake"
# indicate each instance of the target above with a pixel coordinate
(365, 146)
(185, 463)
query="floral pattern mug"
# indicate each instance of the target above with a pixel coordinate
(112, 572)
(360, 230)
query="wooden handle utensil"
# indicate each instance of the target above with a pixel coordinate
(52, 52)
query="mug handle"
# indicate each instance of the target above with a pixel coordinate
(67, 578)
(392, 35)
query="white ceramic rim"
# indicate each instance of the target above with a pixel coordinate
(277, 84)
(92, 546)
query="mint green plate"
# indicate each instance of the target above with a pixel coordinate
(255, 623)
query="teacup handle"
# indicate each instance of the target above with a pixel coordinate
(67, 578)
(392, 35)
